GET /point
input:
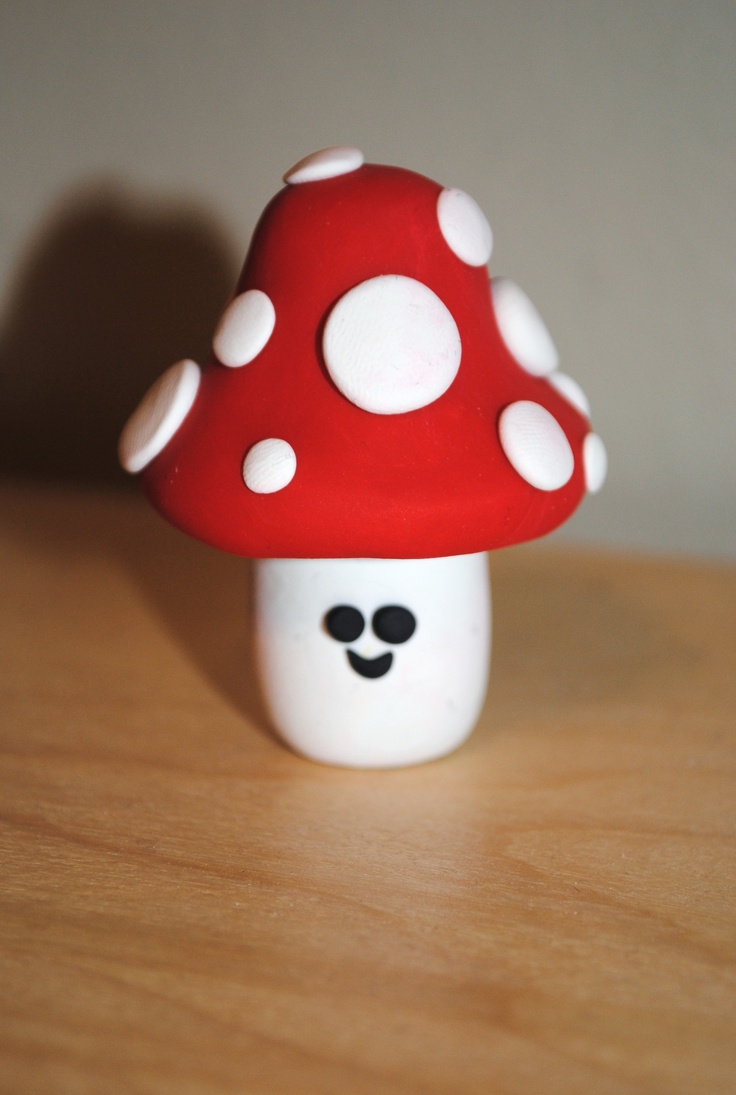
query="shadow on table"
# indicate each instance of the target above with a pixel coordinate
(201, 596)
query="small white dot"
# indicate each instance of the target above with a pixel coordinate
(522, 328)
(464, 226)
(159, 415)
(269, 466)
(536, 445)
(244, 328)
(571, 391)
(390, 345)
(595, 462)
(325, 164)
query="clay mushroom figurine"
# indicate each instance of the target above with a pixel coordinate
(375, 416)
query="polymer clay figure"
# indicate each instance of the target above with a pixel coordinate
(374, 417)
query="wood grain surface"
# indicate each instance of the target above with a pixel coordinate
(189, 908)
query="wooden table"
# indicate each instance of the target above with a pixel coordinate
(189, 908)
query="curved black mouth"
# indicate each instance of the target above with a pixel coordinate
(370, 667)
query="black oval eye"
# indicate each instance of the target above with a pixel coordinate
(344, 623)
(394, 624)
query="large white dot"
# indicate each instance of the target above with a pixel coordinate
(159, 415)
(522, 328)
(595, 462)
(325, 164)
(464, 226)
(391, 345)
(536, 445)
(244, 328)
(571, 391)
(269, 466)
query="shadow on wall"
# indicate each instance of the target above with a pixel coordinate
(114, 289)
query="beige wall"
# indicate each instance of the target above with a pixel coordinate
(141, 140)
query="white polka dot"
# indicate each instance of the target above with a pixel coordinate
(536, 445)
(391, 345)
(269, 466)
(595, 462)
(244, 328)
(522, 328)
(571, 391)
(464, 226)
(159, 415)
(325, 164)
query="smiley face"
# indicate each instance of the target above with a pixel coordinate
(390, 623)
(372, 662)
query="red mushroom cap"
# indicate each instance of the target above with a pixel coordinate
(369, 393)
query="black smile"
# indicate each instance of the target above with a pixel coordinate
(370, 667)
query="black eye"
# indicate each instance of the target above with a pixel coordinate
(344, 623)
(394, 624)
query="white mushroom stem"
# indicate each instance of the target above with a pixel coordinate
(371, 697)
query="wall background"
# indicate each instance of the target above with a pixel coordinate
(142, 139)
